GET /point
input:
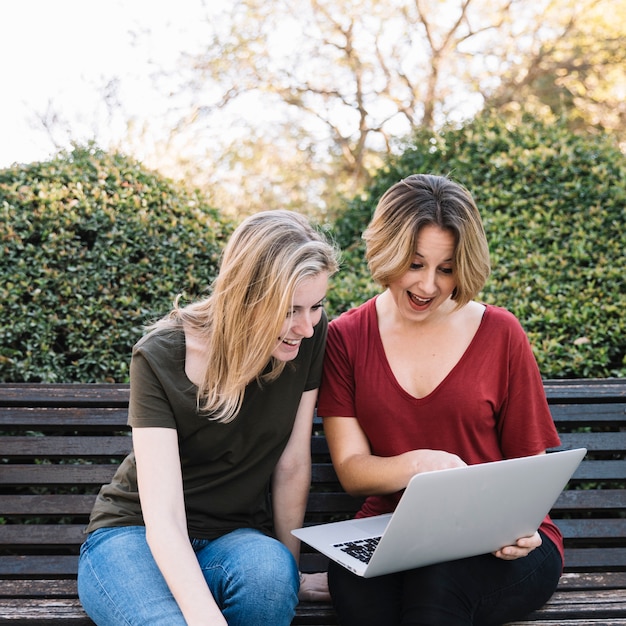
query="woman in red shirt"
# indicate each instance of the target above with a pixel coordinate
(424, 377)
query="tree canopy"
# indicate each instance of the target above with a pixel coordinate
(310, 96)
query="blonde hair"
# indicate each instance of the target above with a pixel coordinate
(417, 201)
(268, 255)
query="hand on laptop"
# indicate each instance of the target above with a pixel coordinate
(314, 588)
(429, 460)
(523, 547)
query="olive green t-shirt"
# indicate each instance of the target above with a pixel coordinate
(226, 467)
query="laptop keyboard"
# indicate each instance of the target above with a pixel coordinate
(361, 549)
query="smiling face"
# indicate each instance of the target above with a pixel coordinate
(304, 314)
(430, 281)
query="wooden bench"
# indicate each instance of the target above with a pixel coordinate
(59, 443)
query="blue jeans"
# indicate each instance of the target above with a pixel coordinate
(481, 590)
(253, 578)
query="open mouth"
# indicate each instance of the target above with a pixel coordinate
(419, 301)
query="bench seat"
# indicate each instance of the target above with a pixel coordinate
(59, 443)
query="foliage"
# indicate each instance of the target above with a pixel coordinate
(578, 74)
(553, 205)
(313, 93)
(93, 247)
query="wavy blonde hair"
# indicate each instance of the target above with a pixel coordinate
(268, 255)
(420, 200)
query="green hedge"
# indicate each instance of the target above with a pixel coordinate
(94, 247)
(554, 205)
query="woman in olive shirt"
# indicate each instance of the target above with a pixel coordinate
(195, 526)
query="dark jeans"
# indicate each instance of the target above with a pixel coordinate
(482, 590)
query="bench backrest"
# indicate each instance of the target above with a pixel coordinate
(60, 443)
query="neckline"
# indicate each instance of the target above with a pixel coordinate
(381, 350)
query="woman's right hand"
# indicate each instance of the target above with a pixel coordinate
(426, 460)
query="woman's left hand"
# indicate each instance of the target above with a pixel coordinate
(522, 547)
(314, 588)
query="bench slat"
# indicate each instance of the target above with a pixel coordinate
(47, 504)
(72, 504)
(588, 470)
(40, 612)
(592, 529)
(41, 534)
(47, 418)
(604, 499)
(564, 621)
(595, 559)
(601, 470)
(587, 414)
(49, 587)
(45, 587)
(308, 613)
(608, 442)
(588, 559)
(561, 606)
(612, 442)
(38, 566)
(585, 390)
(593, 580)
(597, 604)
(64, 394)
(71, 534)
(54, 447)
(57, 474)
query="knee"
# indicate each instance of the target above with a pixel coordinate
(262, 588)
(272, 567)
(252, 563)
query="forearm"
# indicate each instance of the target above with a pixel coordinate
(175, 558)
(160, 484)
(367, 474)
(290, 491)
(362, 473)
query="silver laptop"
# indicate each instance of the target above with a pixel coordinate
(450, 514)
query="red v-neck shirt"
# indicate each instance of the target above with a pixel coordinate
(491, 406)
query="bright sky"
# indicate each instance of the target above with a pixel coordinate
(61, 53)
